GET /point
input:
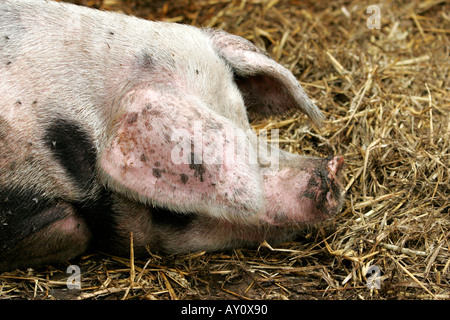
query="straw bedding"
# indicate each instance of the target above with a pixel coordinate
(385, 95)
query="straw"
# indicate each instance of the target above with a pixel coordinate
(385, 94)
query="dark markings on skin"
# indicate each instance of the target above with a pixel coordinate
(199, 169)
(184, 178)
(323, 188)
(167, 218)
(157, 172)
(23, 212)
(72, 146)
(309, 194)
(132, 118)
(145, 61)
(318, 186)
(100, 218)
(11, 42)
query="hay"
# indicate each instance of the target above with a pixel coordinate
(385, 95)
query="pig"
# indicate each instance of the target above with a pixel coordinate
(112, 126)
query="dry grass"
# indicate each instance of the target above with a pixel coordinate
(385, 95)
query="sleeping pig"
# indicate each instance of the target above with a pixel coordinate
(110, 124)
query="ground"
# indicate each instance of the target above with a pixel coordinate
(382, 82)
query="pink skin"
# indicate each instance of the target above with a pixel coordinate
(307, 193)
(296, 196)
(147, 158)
(140, 159)
(299, 191)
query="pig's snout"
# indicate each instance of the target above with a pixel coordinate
(307, 193)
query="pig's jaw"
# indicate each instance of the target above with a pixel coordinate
(305, 194)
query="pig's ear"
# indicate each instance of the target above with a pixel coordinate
(267, 87)
(174, 152)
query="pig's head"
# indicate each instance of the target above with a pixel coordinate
(111, 124)
(181, 139)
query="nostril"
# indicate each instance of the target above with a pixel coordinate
(335, 164)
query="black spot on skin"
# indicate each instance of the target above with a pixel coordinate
(313, 183)
(167, 218)
(100, 218)
(6, 38)
(309, 194)
(318, 186)
(111, 33)
(21, 215)
(72, 146)
(8, 63)
(157, 172)
(199, 169)
(143, 158)
(132, 118)
(312, 188)
(145, 61)
(184, 178)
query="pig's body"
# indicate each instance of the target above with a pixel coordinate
(90, 103)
